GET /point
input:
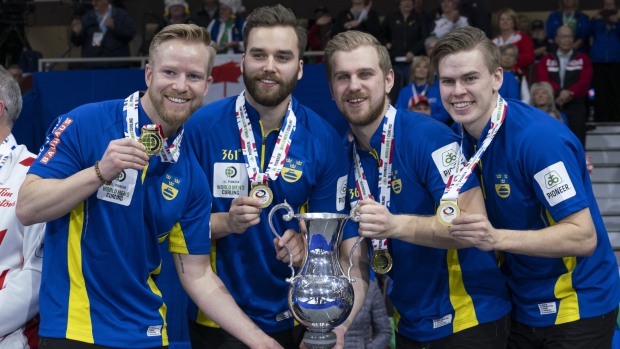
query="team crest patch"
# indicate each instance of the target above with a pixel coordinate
(168, 191)
(397, 183)
(555, 183)
(292, 170)
(501, 187)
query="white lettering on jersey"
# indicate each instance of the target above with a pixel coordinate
(154, 331)
(230, 180)
(121, 190)
(555, 183)
(446, 320)
(547, 308)
(445, 158)
(284, 315)
(341, 194)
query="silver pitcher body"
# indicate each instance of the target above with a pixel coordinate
(321, 295)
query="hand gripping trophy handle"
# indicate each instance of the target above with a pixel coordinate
(355, 217)
(287, 217)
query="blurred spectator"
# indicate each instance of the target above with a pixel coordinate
(509, 54)
(320, 32)
(570, 73)
(419, 104)
(404, 32)
(605, 55)
(429, 43)
(418, 8)
(175, 12)
(206, 13)
(450, 18)
(542, 98)
(371, 328)
(568, 15)
(360, 16)
(227, 29)
(477, 15)
(539, 38)
(423, 83)
(524, 25)
(103, 32)
(17, 73)
(507, 20)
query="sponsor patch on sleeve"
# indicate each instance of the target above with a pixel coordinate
(55, 141)
(341, 195)
(555, 183)
(445, 159)
(230, 180)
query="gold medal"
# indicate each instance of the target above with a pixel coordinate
(262, 193)
(447, 211)
(381, 261)
(152, 139)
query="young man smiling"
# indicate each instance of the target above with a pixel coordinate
(542, 214)
(445, 294)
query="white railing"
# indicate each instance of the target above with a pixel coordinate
(46, 64)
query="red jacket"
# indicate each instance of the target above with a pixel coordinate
(524, 45)
(578, 73)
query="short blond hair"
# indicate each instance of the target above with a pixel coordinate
(349, 41)
(186, 32)
(463, 40)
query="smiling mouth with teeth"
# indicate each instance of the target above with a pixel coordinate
(177, 100)
(356, 100)
(462, 104)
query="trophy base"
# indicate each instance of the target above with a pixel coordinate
(320, 340)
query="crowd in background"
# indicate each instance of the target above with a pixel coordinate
(582, 64)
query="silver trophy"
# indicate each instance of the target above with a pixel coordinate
(321, 295)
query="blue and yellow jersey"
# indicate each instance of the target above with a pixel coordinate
(102, 257)
(313, 179)
(534, 175)
(435, 292)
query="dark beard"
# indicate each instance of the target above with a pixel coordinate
(284, 89)
(367, 119)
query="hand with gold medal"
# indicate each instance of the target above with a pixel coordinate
(263, 193)
(381, 259)
(447, 211)
(152, 138)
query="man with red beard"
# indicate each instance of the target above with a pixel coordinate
(446, 295)
(259, 149)
(113, 181)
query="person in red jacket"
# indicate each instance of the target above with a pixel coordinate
(509, 35)
(570, 74)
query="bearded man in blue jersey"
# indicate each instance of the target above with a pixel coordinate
(249, 174)
(542, 214)
(445, 294)
(113, 181)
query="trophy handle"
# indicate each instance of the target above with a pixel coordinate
(355, 216)
(287, 217)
